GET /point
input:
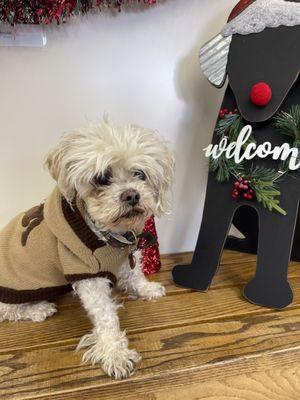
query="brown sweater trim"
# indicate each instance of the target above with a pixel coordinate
(103, 274)
(13, 296)
(79, 226)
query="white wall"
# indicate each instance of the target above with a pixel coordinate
(140, 67)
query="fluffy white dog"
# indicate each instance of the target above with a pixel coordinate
(109, 181)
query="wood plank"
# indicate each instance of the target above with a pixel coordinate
(171, 358)
(231, 273)
(229, 257)
(136, 317)
(31, 347)
(281, 383)
(270, 366)
(228, 275)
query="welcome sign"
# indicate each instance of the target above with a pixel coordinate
(239, 150)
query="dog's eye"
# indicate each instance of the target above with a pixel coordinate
(103, 179)
(140, 174)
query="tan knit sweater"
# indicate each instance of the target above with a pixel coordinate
(50, 246)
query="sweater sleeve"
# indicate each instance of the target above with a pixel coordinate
(74, 269)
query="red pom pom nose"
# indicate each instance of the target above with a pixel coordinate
(261, 94)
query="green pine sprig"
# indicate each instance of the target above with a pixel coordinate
(262, 181)
(225, 125)
(225, 167)
(231, 126)
(288, 123)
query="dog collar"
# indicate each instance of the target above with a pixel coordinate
(130, 238)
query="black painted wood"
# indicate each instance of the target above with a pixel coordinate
(272, 56)
(246, 221)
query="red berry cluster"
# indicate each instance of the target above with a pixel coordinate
(225, 111)
(241, 187)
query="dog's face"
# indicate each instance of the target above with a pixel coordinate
(122, 174)
(271, 56)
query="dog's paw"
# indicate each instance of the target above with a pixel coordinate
(36, 312)
(151, 291)
(120, 363)
(40, 311)
(112, 353)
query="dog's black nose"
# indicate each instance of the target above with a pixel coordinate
(131, 197)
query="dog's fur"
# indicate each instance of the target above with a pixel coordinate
(98, 164)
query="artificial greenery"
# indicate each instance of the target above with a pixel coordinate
(260, 179)
(288, 124)
(224, 167)
(231, 126)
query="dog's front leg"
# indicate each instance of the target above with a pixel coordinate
(134, 282)
(106, 344)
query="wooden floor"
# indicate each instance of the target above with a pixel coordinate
(211, 345)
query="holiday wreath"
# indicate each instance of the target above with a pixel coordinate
(257, 182)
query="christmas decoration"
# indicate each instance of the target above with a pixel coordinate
(47, 11)
(213, 58)
(225, 111)
(245, 58)
(261, 94)
(255, 16)
(241, 186)
(288, 123)
(151, 255)
(258, 183)
(249, 16)
(229, 126)
(239, 8)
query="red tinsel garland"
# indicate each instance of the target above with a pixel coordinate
(47, 11)
(151, 256)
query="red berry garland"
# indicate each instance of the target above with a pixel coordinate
(151, 256)
(47, 11)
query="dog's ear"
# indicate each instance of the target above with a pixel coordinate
(213, 58)
(166, 161)
(51, 163)
(57, 164)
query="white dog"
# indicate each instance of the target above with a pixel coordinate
(109, 181)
